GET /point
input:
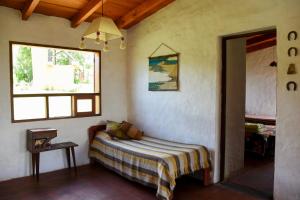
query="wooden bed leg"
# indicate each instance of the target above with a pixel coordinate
(206, 177)
(92, 162)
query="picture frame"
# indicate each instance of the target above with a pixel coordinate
(164, 73)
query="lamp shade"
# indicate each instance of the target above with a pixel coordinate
(106, 27)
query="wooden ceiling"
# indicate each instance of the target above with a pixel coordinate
(261, 41)
(125, 13)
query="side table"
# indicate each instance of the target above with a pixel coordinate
(35, 155)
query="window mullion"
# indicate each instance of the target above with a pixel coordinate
(47, 107)
(73, 105)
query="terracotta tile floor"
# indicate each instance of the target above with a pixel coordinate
(98, 183)
(258, 175)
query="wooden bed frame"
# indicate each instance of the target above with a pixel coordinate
(205, 173)
(260, 120)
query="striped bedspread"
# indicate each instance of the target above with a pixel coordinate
(152, 162)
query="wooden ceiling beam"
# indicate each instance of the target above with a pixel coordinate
(260, 38)
(141, 12)
(261, 45)
(86, 12)
(28, 9)
(254, 36)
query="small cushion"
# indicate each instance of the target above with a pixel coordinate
(114, 130)
(125, 126)
(135, 133)
(112, 125)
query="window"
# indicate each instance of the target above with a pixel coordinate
(53, 82)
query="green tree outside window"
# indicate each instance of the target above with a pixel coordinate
(23, 67)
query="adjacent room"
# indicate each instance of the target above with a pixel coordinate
(149, 99)
(257, 113)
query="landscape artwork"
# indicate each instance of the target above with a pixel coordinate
(163, 73)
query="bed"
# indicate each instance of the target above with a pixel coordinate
(150, 161)
(262, 119)
(260, 133)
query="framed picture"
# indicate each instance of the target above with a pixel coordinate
(163, 73)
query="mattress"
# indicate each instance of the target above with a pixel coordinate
(268, 130)
(150, 161)
(265, 130)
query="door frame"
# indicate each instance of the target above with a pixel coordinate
(224, 89)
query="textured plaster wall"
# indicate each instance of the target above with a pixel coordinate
(261, 82)
(14, 159)
(192, 114)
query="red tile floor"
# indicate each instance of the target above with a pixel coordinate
(258, 175)
(97, 183)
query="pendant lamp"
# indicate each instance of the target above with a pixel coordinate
(273, 63)
(102, 30)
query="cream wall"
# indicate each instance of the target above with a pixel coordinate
(261, 82)
(192, 115)
(14, 159)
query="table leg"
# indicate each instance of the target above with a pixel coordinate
(37, 165)
(33, 161)
(68, 157)
(74, 159)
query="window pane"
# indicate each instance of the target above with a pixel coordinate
(39, 70)
(84, 105)
(60, 107)
(29, 108)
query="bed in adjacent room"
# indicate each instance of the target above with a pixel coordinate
(149, 161)
(260, 133)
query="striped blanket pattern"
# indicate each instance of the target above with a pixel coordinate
(152, 162)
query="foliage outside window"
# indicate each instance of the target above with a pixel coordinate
(54, 82)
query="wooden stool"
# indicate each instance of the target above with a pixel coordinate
(35, 156)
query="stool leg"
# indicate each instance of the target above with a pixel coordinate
(68, 157)
(74, 159)
(33, 160)
(38, 166)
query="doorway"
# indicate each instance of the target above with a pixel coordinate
(248, 116)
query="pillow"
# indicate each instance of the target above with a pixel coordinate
(134, 133)
(253, 127)
(114, 130)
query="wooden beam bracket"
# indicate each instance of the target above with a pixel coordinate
(29, 8)
(141, 12)
(86, 12)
